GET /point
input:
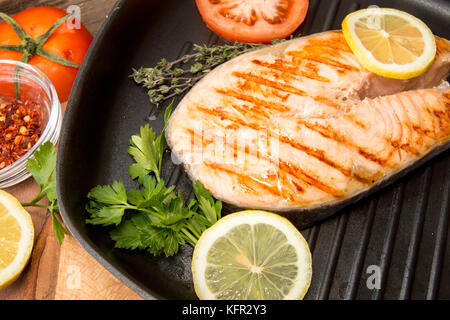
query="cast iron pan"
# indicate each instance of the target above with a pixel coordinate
(401, 230)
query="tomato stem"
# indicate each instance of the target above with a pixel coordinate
(31, 47)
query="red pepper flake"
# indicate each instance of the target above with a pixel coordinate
(20, 129)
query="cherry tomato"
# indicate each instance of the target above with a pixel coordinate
(67, 42)
(253, 21)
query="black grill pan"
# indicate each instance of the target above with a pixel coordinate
(399, 233)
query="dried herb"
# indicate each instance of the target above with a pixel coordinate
(169, 79)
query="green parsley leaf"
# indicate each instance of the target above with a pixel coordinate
(172, 242)
(127, 236)
(144, 151)
(60, 231)
(136, 171)
(210, 209)
(148, 150)
(50, 188)
(106, 216)
(43, 169)
(139, 233)
(114, 194)
(108, 204)
(159, 220)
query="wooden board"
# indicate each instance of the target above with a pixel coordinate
(67, 272)
(93, 12)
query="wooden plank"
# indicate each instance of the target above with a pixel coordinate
(93, 12)
(66, 272)
(38, 280)
(81, 277)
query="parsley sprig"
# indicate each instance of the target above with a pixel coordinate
(152, 217)
(147, 149)
(43, 169)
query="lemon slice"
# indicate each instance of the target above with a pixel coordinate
(251, 255)
(389, 42)
(16, 238)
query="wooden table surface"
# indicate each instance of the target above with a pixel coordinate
(67, 272)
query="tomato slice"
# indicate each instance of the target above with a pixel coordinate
(255, 21)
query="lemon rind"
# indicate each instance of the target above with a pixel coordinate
(251, 217)
(395, 71)
(9, 274)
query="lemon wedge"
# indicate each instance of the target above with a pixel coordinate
(252, 255)
(390, 42)
(16, 238)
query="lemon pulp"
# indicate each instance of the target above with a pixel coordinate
(16, 238)
(252, 255)
(390, 42)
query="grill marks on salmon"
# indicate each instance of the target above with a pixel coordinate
(302, 124)
(308, 70)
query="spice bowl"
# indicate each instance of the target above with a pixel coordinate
(30, 115)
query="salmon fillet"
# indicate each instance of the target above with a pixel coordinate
(301, 124)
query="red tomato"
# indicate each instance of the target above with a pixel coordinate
(253, 21)
(69, 43)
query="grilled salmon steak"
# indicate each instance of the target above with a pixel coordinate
(301, 124)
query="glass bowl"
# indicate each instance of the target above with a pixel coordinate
(36, 88)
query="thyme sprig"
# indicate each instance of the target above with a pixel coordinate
(169, 79)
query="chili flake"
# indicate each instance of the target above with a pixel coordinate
(20, 129)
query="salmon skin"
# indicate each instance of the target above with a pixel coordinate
(301, 126)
